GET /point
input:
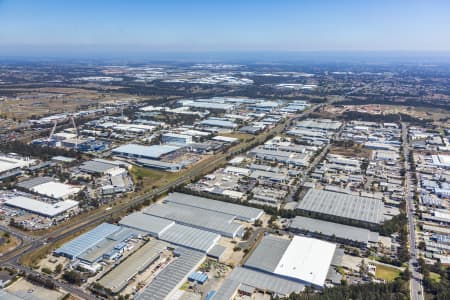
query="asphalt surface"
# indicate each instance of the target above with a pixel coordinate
(416, 287)
(29, 244)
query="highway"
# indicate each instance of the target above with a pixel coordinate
(30, 245)
(416, 287)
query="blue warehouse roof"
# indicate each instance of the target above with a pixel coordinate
(87, 240)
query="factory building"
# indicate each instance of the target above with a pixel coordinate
(302, 259)
(343, 207)
(87, 240)
(49, 210)
(280, 266)
(141, 151)
(102, 166)
(241, 212)
(171, 232)
(176, 139)
(12, 162)
(118, 278)
(350, 235)
(212, 221)
(47, 186)
(160, 165)
(216, 122)
(173, 276)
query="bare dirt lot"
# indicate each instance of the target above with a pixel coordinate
(32, 103)
(25, 289)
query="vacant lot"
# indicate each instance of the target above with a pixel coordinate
(356, 150)
(7, 242)
(151, 178)
(386, 273)
(33, 103)
(27, 290)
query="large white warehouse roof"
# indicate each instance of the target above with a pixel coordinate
(40, 207)
(301, 259)
(55, 189)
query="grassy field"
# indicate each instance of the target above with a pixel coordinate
(152, 178)
(137, 172)
(386, 273)
(241, 136)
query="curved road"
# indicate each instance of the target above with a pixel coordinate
(30, 245)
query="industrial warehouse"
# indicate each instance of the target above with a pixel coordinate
(360, 237)
(174, 237)
(47, 186)
(243, 213)
(49, 210)
(140, 151)
(290, 211)
(281, 266)
(368, 211)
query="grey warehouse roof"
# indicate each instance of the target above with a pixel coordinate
(322, 124)
(154, 151)
(268, 253)
(348, 206)
(158, 164)
(173, 275)
(218, 123)
(241, 212)
(118, 278)
(357, 234)
(28, 184)
(190, 237)
(196, 217)
(263, 281)
(93, 166)
(150, 224)
(217, 251)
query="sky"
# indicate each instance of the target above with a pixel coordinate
(110, 26)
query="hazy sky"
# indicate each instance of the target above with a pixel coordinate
(227, 25)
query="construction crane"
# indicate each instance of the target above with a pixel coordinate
(55, 123)
(72, 119)
(52, 132)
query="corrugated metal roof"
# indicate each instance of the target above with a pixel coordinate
(357, 234)
(196, 217)
(263, 281)
(268, 253)
(173, 275)
(87, 240)
(154, 151)
(150, 224)
(241, 212)
(363, 209)
(218, 123)
(93, 166)
(41, 207)
(118, 278)
(96, 252)
(28, 184)
(217, 251)
(158, 163)
(190, 237)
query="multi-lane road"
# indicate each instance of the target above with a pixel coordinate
(30, 245)
(416, 287)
